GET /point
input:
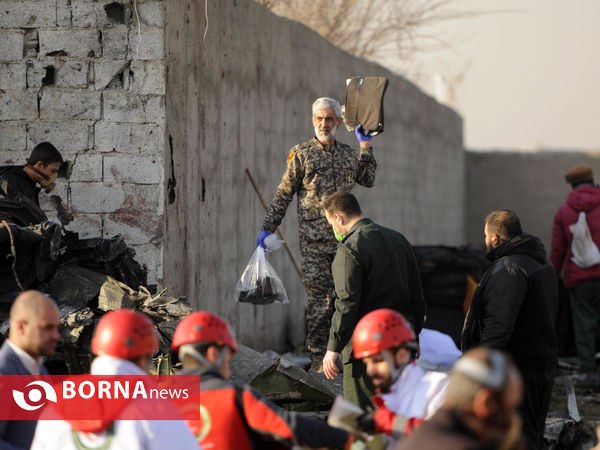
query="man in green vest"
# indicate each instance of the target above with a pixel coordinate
(374, 267)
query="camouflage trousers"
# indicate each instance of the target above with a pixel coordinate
(318, 280)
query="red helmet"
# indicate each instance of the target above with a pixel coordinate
(126, 334)
(203, 327)
(380, 329)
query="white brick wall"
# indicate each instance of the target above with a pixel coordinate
(12, 76)
(18, 104)
(11, 45)
(74, 42)
(146, 139)
(27, 14)
(88, 83)
(13, 136)
(73, 135)
(122, 106)
(69, 104)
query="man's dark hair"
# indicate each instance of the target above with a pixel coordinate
(503, 222)
(46, 153)
(342, 202)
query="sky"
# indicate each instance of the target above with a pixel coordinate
(531, 74)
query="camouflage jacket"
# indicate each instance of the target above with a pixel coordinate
(313, 172)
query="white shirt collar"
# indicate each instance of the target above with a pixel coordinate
(111, 365)
(33, 366)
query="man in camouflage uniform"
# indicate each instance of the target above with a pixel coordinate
(315, 169)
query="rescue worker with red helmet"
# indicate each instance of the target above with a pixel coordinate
(124, 342)
(408, 395)
(239, 417)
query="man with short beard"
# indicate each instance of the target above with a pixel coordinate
(514, 309)
(481, 409)
(33, 335)
(406, 394)
(315, 169)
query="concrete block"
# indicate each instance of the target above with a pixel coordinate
(148, 77)
(122, 106)
(149, 44)
(105, 70)
(87, 167)
(148, 255)
(13, 136)
(132, 169)
(12, 158)
(69, 135)
(88, 14)
(114, 42)
(36, 71)
(146, 139)
(87, 225)
(96, 197)
(69, 104)
(27, 14)
(11, 45)
(63, 13)
(72, 74)
(138, 209)
(12, 76)
(58, 72)
(150, 13)
(18, 105)
(132, 235)
(70, 42)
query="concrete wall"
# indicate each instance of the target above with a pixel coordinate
(82, 75)
(240, 83)
(530, 183)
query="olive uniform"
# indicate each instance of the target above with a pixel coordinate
(374, 267)
(313, 172)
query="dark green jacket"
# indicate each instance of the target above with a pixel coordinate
(374, 267)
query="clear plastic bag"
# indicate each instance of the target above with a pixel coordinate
(260, 284)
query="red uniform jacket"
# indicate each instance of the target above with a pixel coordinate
(239, 418)
(587, 199)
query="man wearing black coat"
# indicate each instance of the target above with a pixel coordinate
(41, 168)
(514, 309)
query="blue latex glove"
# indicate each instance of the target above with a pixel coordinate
(359, 132)
(260, 240)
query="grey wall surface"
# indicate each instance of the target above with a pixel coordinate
(531, 184)
(239, 90)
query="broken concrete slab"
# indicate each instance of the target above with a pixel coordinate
(281, 381)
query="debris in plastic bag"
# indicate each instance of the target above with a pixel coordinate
(259, 283)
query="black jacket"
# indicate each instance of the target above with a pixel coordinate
(14, 180)
(515, 305)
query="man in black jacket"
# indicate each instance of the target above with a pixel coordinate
(42, 168)
(514, 309)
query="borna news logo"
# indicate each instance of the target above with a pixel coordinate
(36, 396)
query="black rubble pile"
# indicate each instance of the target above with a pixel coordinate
(78, 323)
(448, 276)
(86, 277)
